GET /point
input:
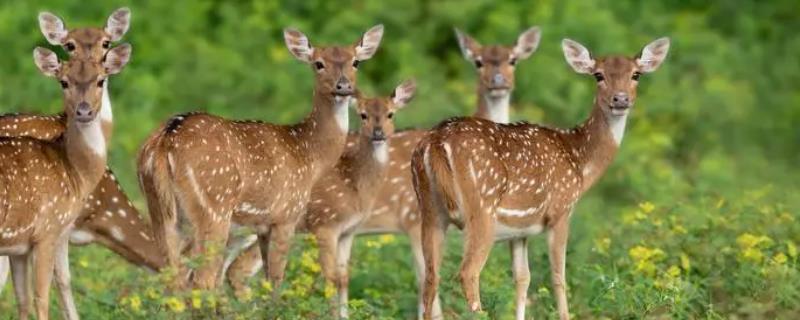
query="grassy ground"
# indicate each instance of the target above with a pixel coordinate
(710, 252)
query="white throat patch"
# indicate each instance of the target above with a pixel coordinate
(380, 151)
(93, 136)
(617, 126)
(498, 108)
(340, 112)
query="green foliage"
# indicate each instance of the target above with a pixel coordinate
(711, 144)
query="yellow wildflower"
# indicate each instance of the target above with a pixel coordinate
(639, 253)
(673, 271)
(330, 290)
(152, 293)
(387, 238)
(779, 258)
(135, 303)
(791, 249)
(197, 299)
(266, 285)
(309, 261)
(602, 245)
(685, 263)
(752, 254)
(647, 207)
(83, 262)
(679, 229)
(747, 240)
(175, 304)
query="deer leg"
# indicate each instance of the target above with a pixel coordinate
(43, 265)
(478, 242)
(342, 266)
(164, 217)
(434, 227)
(280, 241)
(243, 267)
(415, 239)
(557, 243)
(4, 270)
(63, 280)
(19, 274)
(210, 240)
(522, 274)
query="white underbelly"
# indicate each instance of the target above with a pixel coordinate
(504, 232)
(15, 250)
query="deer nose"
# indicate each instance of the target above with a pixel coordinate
(378, 134)
(621, 99)
(344, 87)
(498, 80)
(84, 112)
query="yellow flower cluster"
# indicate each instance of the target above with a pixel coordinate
(175, 304)
(751, 245)
(645, 259)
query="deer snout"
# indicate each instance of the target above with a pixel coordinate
(84, 112)
(378, 134)
(498, 80)
(343, 87)
(620, 100)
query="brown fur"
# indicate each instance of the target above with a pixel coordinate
(508, 181)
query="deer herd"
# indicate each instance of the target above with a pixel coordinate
(205, 176)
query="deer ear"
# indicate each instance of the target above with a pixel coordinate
(46, 61)
(117, 58)
(298, 45)
(118, 23)
(369, 42)
(527, 43)
(53, 28)
(577, 56)
(403, 94)
(653, 55)
(469, 47)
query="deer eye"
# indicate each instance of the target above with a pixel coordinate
(478, 64)
(106, 44)
(355, 63)
(599, 76)
(636, 76)
(100, 83)
(64, 84)
(319, 65)
(390, 115)
(363, 116)
(70, 46)
(513, 61)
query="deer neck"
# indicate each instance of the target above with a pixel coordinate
(325, 130)
(85, 148)
(493, 108)
(595, 143)
(366, 165)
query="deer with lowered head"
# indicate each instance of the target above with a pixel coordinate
(215, 171)
(43, 185)
(510, 181)
(395, 207)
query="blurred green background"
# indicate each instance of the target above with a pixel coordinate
(717, 122)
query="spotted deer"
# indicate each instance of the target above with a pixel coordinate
(344, 196)
(395, 208)
(216, 171)
(43, 184)
(510, 181)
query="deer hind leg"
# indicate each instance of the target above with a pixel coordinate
(522, 273)
(415, 239)
(164, 217)
(43, 265)
(478, 242)
(557, 243)
(63, 280)
(275, 247)
(19, 274)
(209, 243)
(342, 272)
(434, 228)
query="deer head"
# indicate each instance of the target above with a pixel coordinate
(334, 66)
(496, 64)
(377, 113)
(82, 80)
(617, 76)
(85, 42)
